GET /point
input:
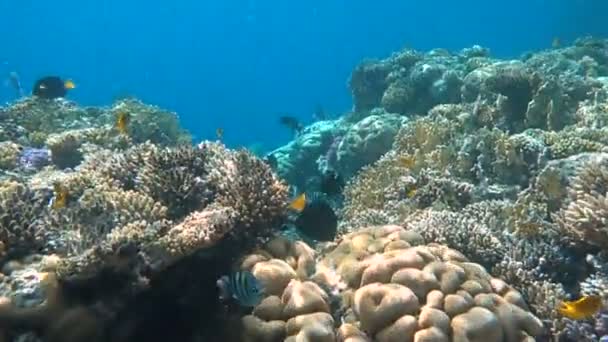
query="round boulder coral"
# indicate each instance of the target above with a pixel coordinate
(366, 141)
(401, 290)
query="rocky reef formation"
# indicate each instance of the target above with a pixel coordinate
(114, 224)
(475, 203)
(511, 172)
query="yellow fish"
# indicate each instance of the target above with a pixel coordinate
(122, 122)
(585, 307)
(60, 200)
(411, 193)
(219, 133)
(299, 203)
(69, 84)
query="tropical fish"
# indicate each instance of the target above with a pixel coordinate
(299, 203)
(52, 87)
(219, 133)
(318, 219)
(241, 286)
(331, 183)
(292, 123)
(60, 198)
(585, 307)
(34, 158)
(122, 122)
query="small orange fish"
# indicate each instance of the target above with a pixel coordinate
(299, 203)
(60, 200)
(122, 122)
(219, 133)
(69, 84)
(585, 307)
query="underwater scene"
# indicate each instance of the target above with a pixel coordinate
(325, 171)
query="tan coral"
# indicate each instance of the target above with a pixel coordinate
(378, 304)
(422, 293)
(201, 229)
(258, 330)
(274, 274)
(350, 333)
(303, 306)
(9, 155)
(314, 327)
(302, 298)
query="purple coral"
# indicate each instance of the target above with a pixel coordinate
(34, 158)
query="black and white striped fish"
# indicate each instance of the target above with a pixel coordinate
(242, 286)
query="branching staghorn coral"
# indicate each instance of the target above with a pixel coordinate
(122, 167)
(66, 146)
(20, 212)
(176, 177)
(246, 184)
(455, 230)
(107, 233)
(572, 141)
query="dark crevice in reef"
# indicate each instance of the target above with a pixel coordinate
(182, 303)
(177, 304)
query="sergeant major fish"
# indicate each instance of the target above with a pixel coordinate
(243, 286)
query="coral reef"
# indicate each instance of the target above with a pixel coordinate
(475, 202)
(129, 224)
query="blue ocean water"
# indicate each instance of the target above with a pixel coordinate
(239, 64)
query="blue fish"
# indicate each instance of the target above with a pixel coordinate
(34, 158)
(241, 286)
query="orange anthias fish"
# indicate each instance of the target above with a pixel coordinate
(585, 307)
(69, 84)
(122, 122)
(299, 203)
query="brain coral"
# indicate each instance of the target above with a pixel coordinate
(384, 284)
